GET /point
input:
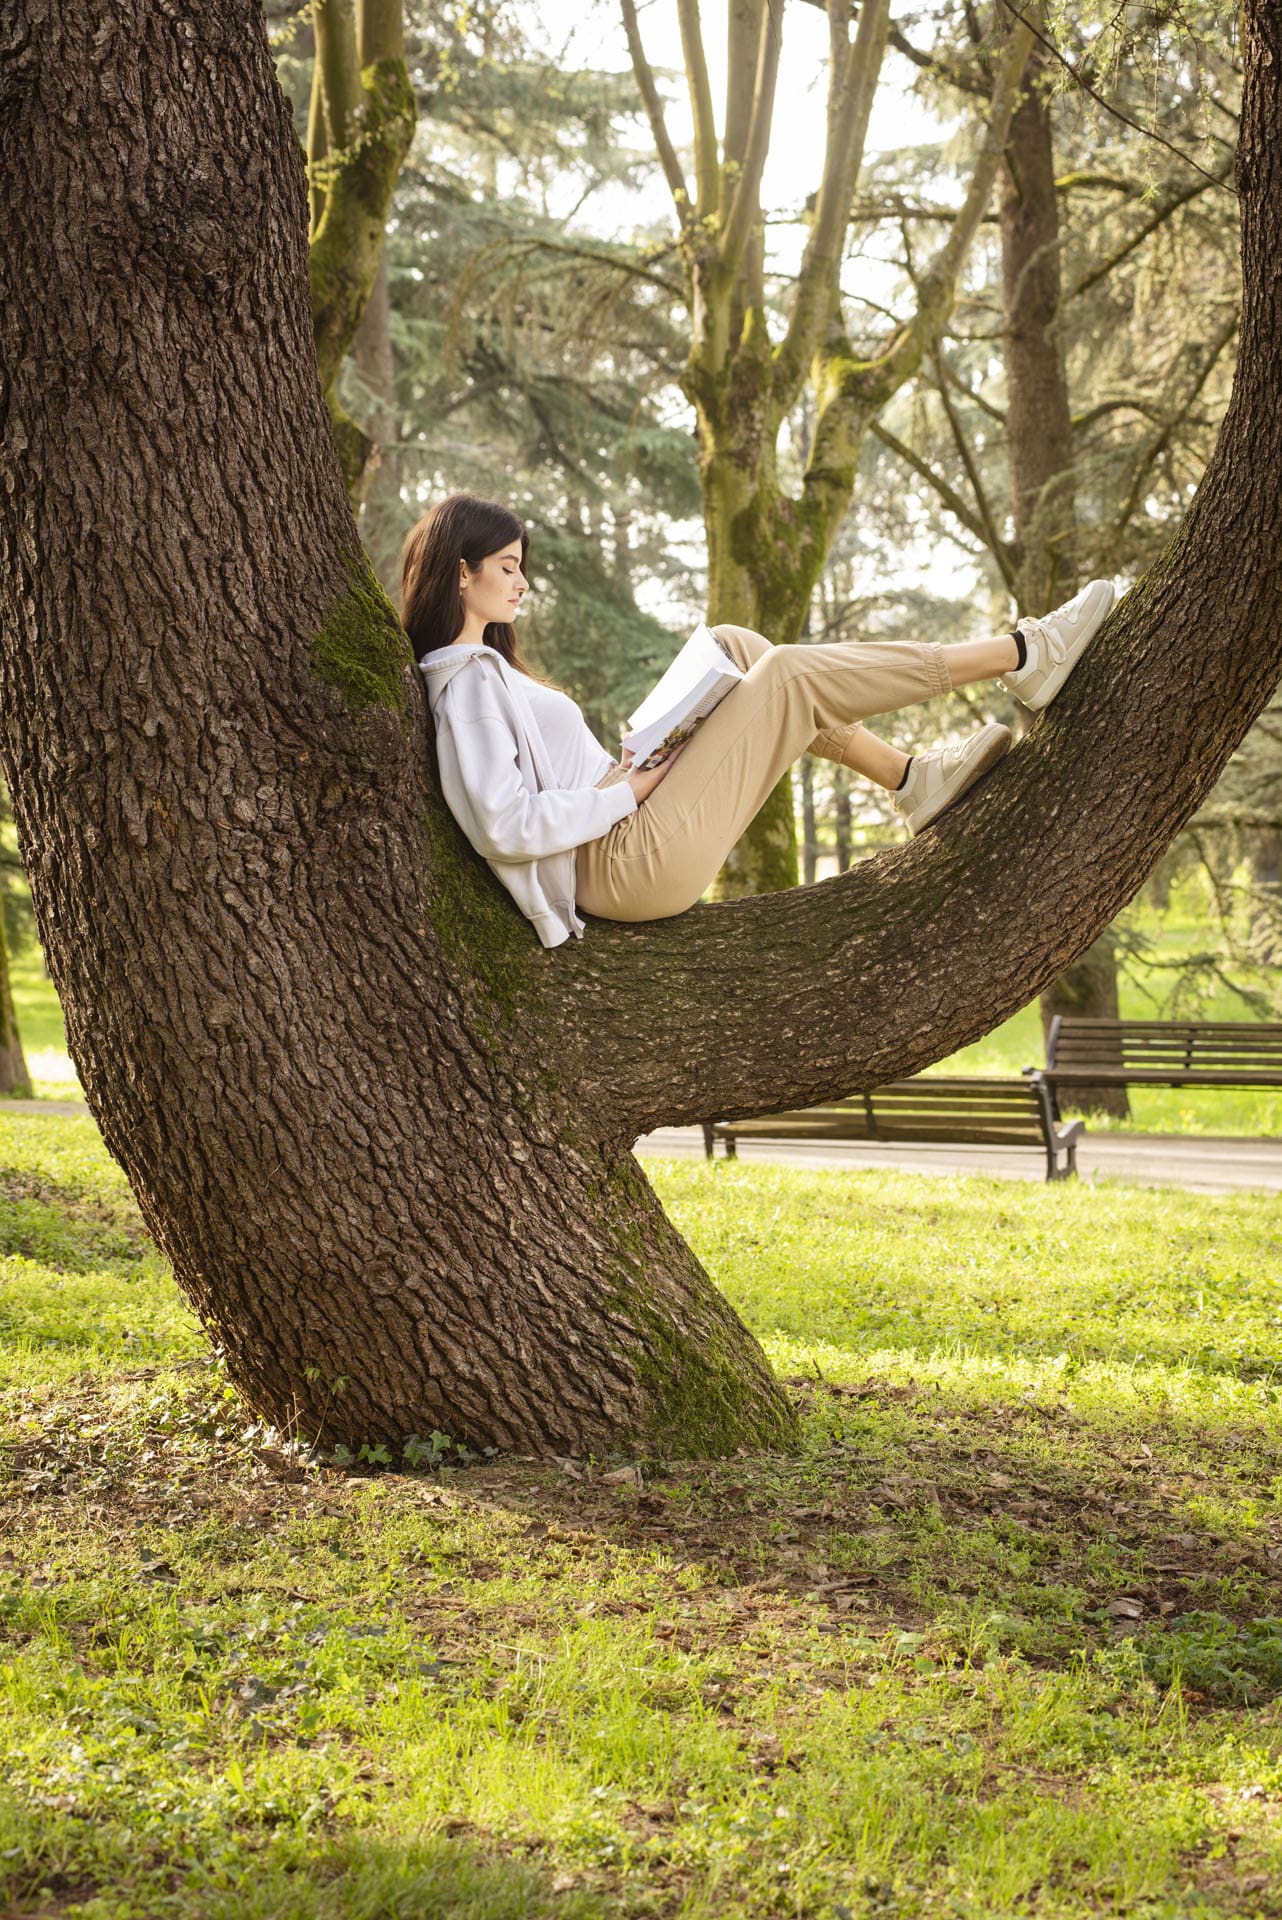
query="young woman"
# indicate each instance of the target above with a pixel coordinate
(565, 826)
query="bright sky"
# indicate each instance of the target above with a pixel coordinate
(796, 152)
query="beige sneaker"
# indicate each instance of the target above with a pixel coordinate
(1056, 643)
(936, 779)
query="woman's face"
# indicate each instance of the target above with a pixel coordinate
(494, 591)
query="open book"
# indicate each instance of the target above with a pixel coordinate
(699, 678)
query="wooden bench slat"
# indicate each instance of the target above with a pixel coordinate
(1084, 1076)
(1162, 1053)
(932, 1109)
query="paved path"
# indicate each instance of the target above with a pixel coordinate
(1199, 1163)
(43, 1106)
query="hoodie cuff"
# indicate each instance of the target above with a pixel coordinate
(620, 802)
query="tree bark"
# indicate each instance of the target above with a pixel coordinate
(381, 1134)
(1041, 457)
(310, 1027)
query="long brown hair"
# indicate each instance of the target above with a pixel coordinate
(460, 527)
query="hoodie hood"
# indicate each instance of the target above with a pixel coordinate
(440, 666)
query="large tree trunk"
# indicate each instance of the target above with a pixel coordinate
(382, 1135)
(311, 1029)
(1039, 435)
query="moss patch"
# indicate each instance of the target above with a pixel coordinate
(483, 935)
(363, 650)
(708, 1395)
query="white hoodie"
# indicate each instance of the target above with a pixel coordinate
(497, 784)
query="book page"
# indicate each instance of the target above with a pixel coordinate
(702, 653)
(697, 681)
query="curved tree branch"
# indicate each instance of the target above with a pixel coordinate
(745, 199)
(654, 110)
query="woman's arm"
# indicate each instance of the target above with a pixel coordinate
(483, 789)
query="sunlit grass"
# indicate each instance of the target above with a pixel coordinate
(1000, 1638)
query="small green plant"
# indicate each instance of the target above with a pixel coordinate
(1231, 1664)
(420, 1455)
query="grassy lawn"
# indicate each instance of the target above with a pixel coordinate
(1001, 1638)
(40, 1023)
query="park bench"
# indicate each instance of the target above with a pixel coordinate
(929, 1110)
(1159, 1053)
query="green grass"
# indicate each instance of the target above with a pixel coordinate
(53, 1077)
(1001, 1638)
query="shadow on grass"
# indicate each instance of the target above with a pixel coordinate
(294, 1875)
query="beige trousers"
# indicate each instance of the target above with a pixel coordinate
(792, 700)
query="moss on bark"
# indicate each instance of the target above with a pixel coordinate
(363, 650)
(482, 934)
(708, 1390)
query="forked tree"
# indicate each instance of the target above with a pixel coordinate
(384, 1137)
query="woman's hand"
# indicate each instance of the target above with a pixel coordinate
(644, 784)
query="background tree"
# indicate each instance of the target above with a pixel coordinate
(1051, 337)
(360, 122)
(766, 544)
